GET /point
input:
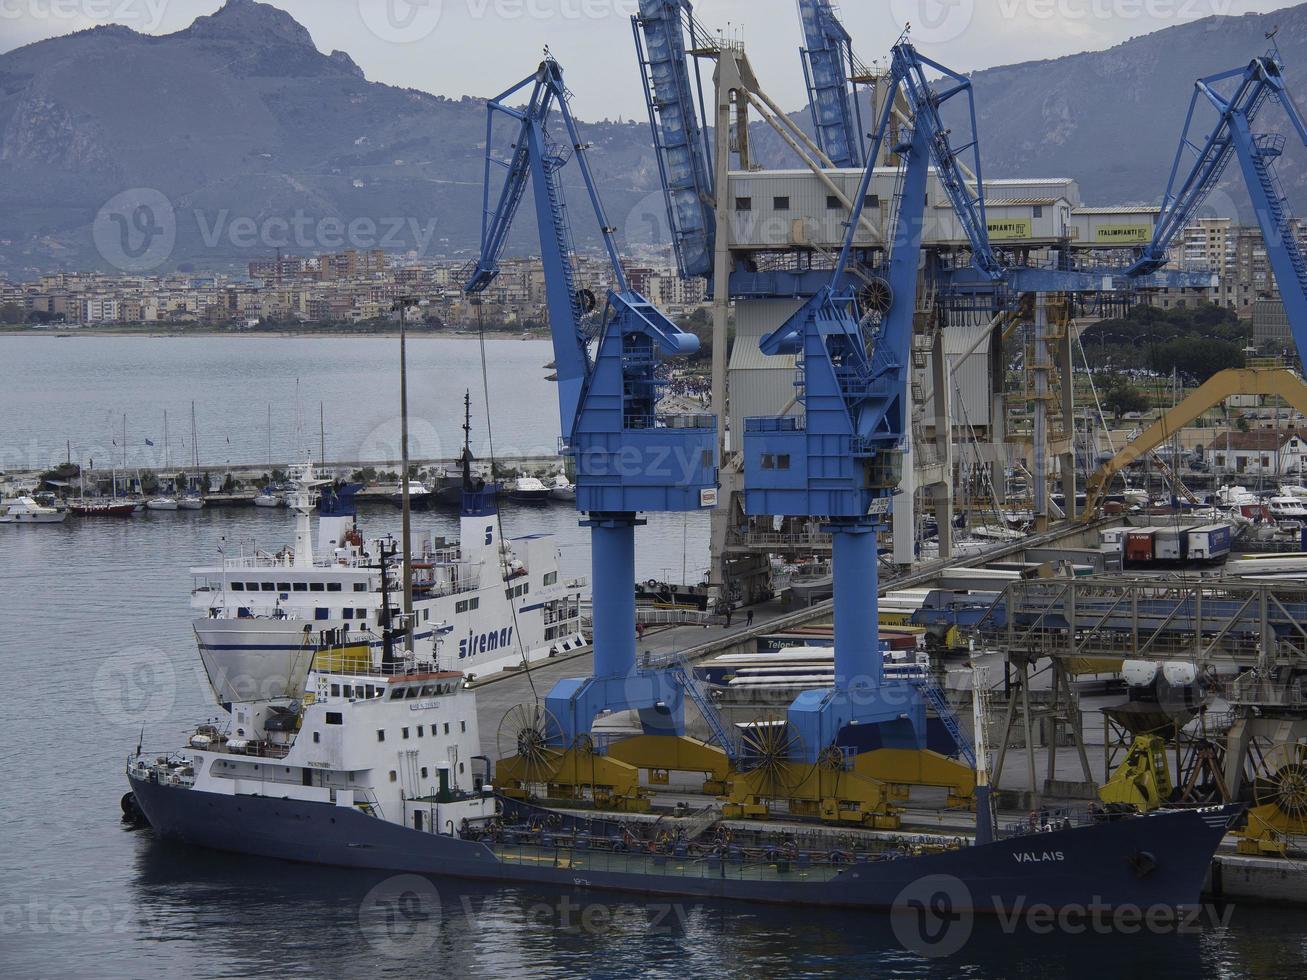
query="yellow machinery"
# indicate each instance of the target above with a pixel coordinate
(828, 790)
(577, 774)
(1279, 813)
(662, 755)
(1143, 779)
(1279, 382)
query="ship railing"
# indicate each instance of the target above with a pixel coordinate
(755, 861)
(1049, 819)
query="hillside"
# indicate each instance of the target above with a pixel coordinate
(255, 139)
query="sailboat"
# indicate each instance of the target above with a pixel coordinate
(193, 499)
(163, 501)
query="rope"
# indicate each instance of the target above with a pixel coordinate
(499, 517)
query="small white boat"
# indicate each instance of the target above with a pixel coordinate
(25, 510)
(562, 489)
(268, 497)
(528, 490)
(1287, 509)
(161, 503)
(191, 501)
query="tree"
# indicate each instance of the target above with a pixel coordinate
(1124, 397)
(11, 313)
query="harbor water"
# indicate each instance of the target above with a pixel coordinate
(97, 654)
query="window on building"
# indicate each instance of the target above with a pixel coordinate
(419, 731)
(871, 201)
(833, 203)
(1039, 211)
(744, 204)
(335, 690)
(393, 777)
(403, 733)
(381, 734)
(317, 737)
(334, 718)
(780, 203)
(424, 772)
(462, 726)
(446, 728)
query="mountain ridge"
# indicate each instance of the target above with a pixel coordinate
(239, 119)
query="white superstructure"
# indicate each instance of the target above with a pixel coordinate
(480, 607)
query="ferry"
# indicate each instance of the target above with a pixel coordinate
(481, 606)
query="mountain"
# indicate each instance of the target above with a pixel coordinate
(1112, 118)
(252, 139)
(237, 135)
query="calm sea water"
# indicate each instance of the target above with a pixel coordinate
(78, 389)
(97, 647)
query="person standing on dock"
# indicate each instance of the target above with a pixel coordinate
(748, 618)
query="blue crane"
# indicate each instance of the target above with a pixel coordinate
(828, 61)
(680, 137)
(1233, 137)
(843, 459)
(628, 457)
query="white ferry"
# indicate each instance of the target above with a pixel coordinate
(479, 607)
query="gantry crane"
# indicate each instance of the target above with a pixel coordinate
(1232, 137)
(629, 458)
(843, 458)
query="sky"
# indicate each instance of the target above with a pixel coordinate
(479, 47)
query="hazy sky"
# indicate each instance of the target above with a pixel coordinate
(478, 47)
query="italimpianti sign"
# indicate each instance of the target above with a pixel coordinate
(1124, 233)
(1009, 228)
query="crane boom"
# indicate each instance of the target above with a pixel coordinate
(1233, 138)
(827, 57)
(680, 144)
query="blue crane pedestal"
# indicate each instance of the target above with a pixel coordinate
(862, 712)
(615, 684)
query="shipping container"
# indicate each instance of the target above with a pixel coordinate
(1209, 542)
(1139, 545)
(1170, 544)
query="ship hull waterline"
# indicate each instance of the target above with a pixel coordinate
(1136, 863)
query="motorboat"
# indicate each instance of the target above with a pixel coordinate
(26, 510)
(529, 490)
(562, 489)
(269, 497)
(164, 502)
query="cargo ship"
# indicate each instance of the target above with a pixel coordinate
(378, 765)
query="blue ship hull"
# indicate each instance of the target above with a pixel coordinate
(1157, 860)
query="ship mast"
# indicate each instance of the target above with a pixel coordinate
(404, 302)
